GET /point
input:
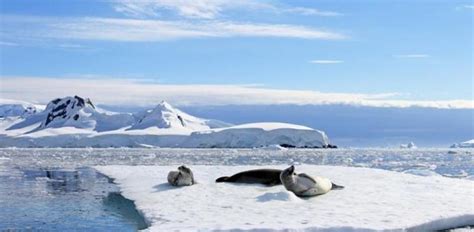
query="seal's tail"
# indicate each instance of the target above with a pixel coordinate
(222, 179)
(335, 186)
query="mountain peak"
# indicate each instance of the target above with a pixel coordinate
(164, 115)
(66, 110)
(164, 105)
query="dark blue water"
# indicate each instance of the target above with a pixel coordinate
(63, 200)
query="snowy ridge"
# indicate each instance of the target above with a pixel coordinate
(14, 108)
(77, 122)
(368, 202)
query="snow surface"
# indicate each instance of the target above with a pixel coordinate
(372, 200)
(266, 126)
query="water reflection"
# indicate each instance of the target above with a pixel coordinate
(115, 202)
(63, 200)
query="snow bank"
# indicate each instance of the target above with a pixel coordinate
(259, 135)
(372, 200)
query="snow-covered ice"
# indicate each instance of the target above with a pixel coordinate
(372, 200)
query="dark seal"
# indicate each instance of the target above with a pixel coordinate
(268, 177)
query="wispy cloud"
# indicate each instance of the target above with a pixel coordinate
(4, 43)
(206, 9)
(310, 11)
(136, 30)
(412, 56)
(467, 6)
(70, 46)
(326, 61)
(150, 8)
(129, 92)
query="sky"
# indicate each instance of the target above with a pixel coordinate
(372, 53)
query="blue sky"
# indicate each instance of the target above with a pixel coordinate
(391, 51)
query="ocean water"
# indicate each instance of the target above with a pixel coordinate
(56, 189)
(457, 163)
(53, 199)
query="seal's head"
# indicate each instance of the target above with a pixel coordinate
(289, 171)
(287, 175)
(184, 169)
(186, 174)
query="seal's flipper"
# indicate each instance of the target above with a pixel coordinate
(335, 186)
(304, 175)
(222, 179)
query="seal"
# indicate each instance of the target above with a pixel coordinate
(303, 185)
(182, 177)
(268, 177)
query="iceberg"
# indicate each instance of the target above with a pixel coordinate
(465, 144)
(410, 145)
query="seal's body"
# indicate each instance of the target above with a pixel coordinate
(182, 177)
(303, 185)
(258, 176)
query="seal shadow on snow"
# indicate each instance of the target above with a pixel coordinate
(166, 187)
(278, 196)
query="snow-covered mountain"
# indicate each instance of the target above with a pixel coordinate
(81, 113)
(77, 122)
(12, 108)
(166, 116)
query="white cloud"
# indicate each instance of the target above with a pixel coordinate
(113, 29)
(128, 92)
(326, 61)
(412, 56)
(205, 9)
